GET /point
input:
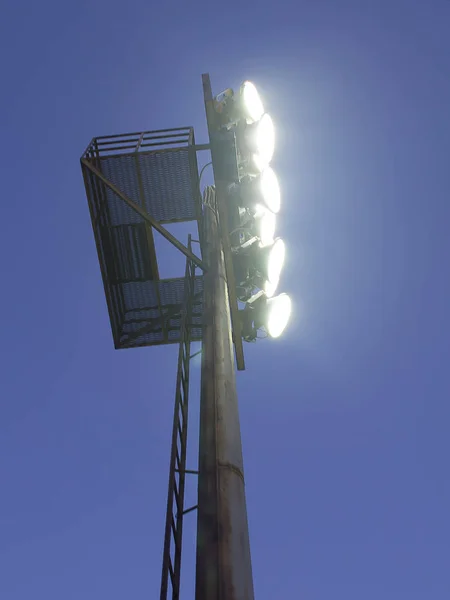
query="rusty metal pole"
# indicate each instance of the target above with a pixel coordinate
(223, 569)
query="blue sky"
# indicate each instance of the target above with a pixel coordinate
(345, 419)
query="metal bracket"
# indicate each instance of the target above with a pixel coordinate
(187, 471)
(226, 245)
(188, 510)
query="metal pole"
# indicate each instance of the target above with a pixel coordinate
(223, 569)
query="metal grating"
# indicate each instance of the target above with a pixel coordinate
(127, 245)
(163, 181)
(168, 198)
(157, 170)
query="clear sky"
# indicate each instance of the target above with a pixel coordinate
(345, 420)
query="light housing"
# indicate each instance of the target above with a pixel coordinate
(253, 223)
(259, 267)
(224, 103)
(246, 106)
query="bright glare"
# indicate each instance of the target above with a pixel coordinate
(270, 189)
(278, 313)
(251, 102)
(266, 227)
(264, 142)
(275, 260)
(270, 287)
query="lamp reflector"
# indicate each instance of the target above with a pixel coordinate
(251, 102)
(278, 314)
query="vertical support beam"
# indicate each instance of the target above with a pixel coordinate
(223, 570)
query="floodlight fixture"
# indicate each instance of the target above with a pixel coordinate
(271, 313)
(263, 189)
(247, 106)
(257, 223)
(259, 267)
(251, 104)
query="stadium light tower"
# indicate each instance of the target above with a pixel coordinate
(128, 180)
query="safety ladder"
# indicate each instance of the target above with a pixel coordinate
(171, 568)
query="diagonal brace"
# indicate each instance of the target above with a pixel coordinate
(159, 228)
